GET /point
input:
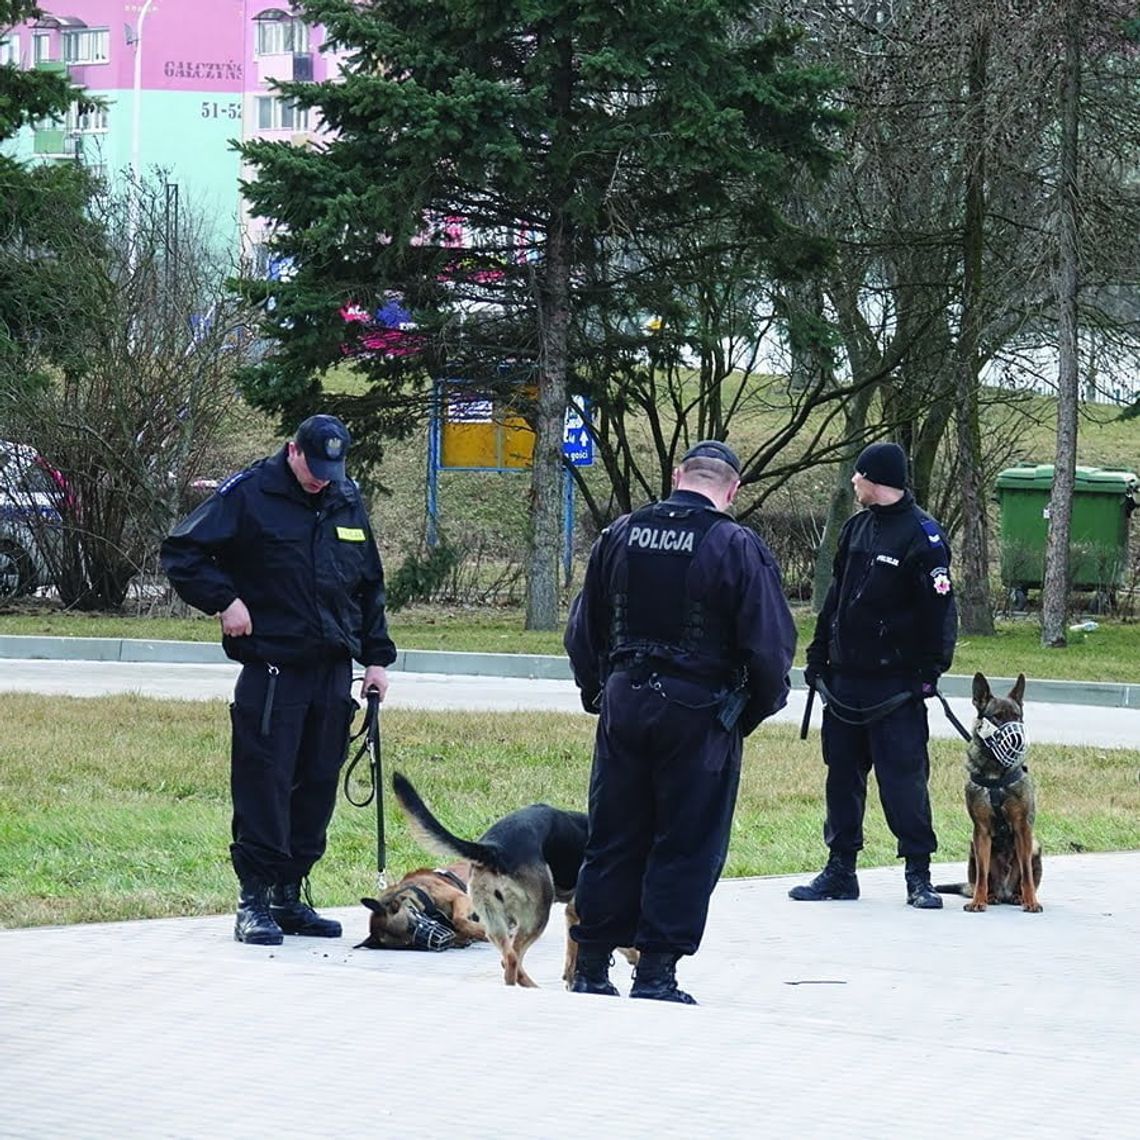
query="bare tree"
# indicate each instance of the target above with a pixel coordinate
(1054, 605)
(138, 383)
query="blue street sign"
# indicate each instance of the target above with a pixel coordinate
(577, 443)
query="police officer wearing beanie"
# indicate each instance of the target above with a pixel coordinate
(681, 640)
(283, 553)
(885, 634)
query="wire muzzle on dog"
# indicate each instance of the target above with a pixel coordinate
(1006, 743)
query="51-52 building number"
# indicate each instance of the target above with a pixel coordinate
(221, 110)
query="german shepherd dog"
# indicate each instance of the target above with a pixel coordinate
(520, 866)
(1005, 857)
(426, 910)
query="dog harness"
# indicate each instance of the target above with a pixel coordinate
(1008, 745)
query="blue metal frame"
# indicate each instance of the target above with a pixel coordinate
(434, 454)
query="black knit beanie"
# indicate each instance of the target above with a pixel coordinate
(883, 463)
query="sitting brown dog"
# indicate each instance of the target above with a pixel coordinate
(1005, 857)
(426, 910)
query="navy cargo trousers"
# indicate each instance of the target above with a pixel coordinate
(290, 737)
(662, 794)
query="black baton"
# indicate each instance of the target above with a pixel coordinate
(807, 712)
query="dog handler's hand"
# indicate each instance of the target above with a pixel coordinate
(235, 619)
(375, 677)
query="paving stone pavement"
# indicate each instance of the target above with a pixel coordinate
(839, 1020)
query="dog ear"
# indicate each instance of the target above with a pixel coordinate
(373, 905)
(982, 691)
(1017, 693)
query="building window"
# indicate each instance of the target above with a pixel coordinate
(86, 45)
(277, 114)
(9, 51)
(41, 47)
(278, 34)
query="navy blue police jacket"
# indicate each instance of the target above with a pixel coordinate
(306, 567)
(890, 608)
(733, 577)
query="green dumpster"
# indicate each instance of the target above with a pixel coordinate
(1098, 544)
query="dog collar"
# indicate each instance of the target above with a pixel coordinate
(451, 877)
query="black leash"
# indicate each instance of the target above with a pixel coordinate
(875, 712)
(369, 736)
(962, 731)
(861, 716)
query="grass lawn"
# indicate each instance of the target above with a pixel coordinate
(118, 807)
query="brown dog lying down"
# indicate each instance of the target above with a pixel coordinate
(426, 910)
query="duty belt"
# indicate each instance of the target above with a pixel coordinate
(640, 668)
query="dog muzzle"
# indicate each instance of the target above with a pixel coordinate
(1006, 743)
(429, 933)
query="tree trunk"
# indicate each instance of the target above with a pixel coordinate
(838, 511)
(1055, 593)
(975, 613)
(839, 507)
(542, 610)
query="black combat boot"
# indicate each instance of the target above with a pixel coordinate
(592, 972)
(655, 978)
(836, 881)
(919, 892)
(254, 924)
(295, 915)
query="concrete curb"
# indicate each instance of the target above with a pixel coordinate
(521, 665)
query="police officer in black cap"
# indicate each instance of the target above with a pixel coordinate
(283, 553)
(885, 634)
(682, 640)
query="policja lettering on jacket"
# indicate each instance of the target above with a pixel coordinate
(659, 538)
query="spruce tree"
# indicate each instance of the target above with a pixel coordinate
(505, 170)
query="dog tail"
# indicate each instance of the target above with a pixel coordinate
(431, 834)
(963, 889)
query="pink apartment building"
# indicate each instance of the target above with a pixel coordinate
(181, 81)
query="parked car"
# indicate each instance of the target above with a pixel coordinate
(30, 493)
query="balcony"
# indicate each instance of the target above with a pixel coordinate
(284, 66)
(54, 143)
(55, 66)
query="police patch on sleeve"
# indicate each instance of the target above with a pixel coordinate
(940, 577)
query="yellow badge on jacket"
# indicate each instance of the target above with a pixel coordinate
(350, 534)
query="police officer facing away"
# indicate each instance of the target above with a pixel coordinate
(283, 553)
(885, 634)
(681, 638)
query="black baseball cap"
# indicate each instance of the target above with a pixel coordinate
(713, 449)
(325, 441)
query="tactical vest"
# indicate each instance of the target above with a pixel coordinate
(653, 614)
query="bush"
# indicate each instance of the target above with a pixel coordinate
(421, 575)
